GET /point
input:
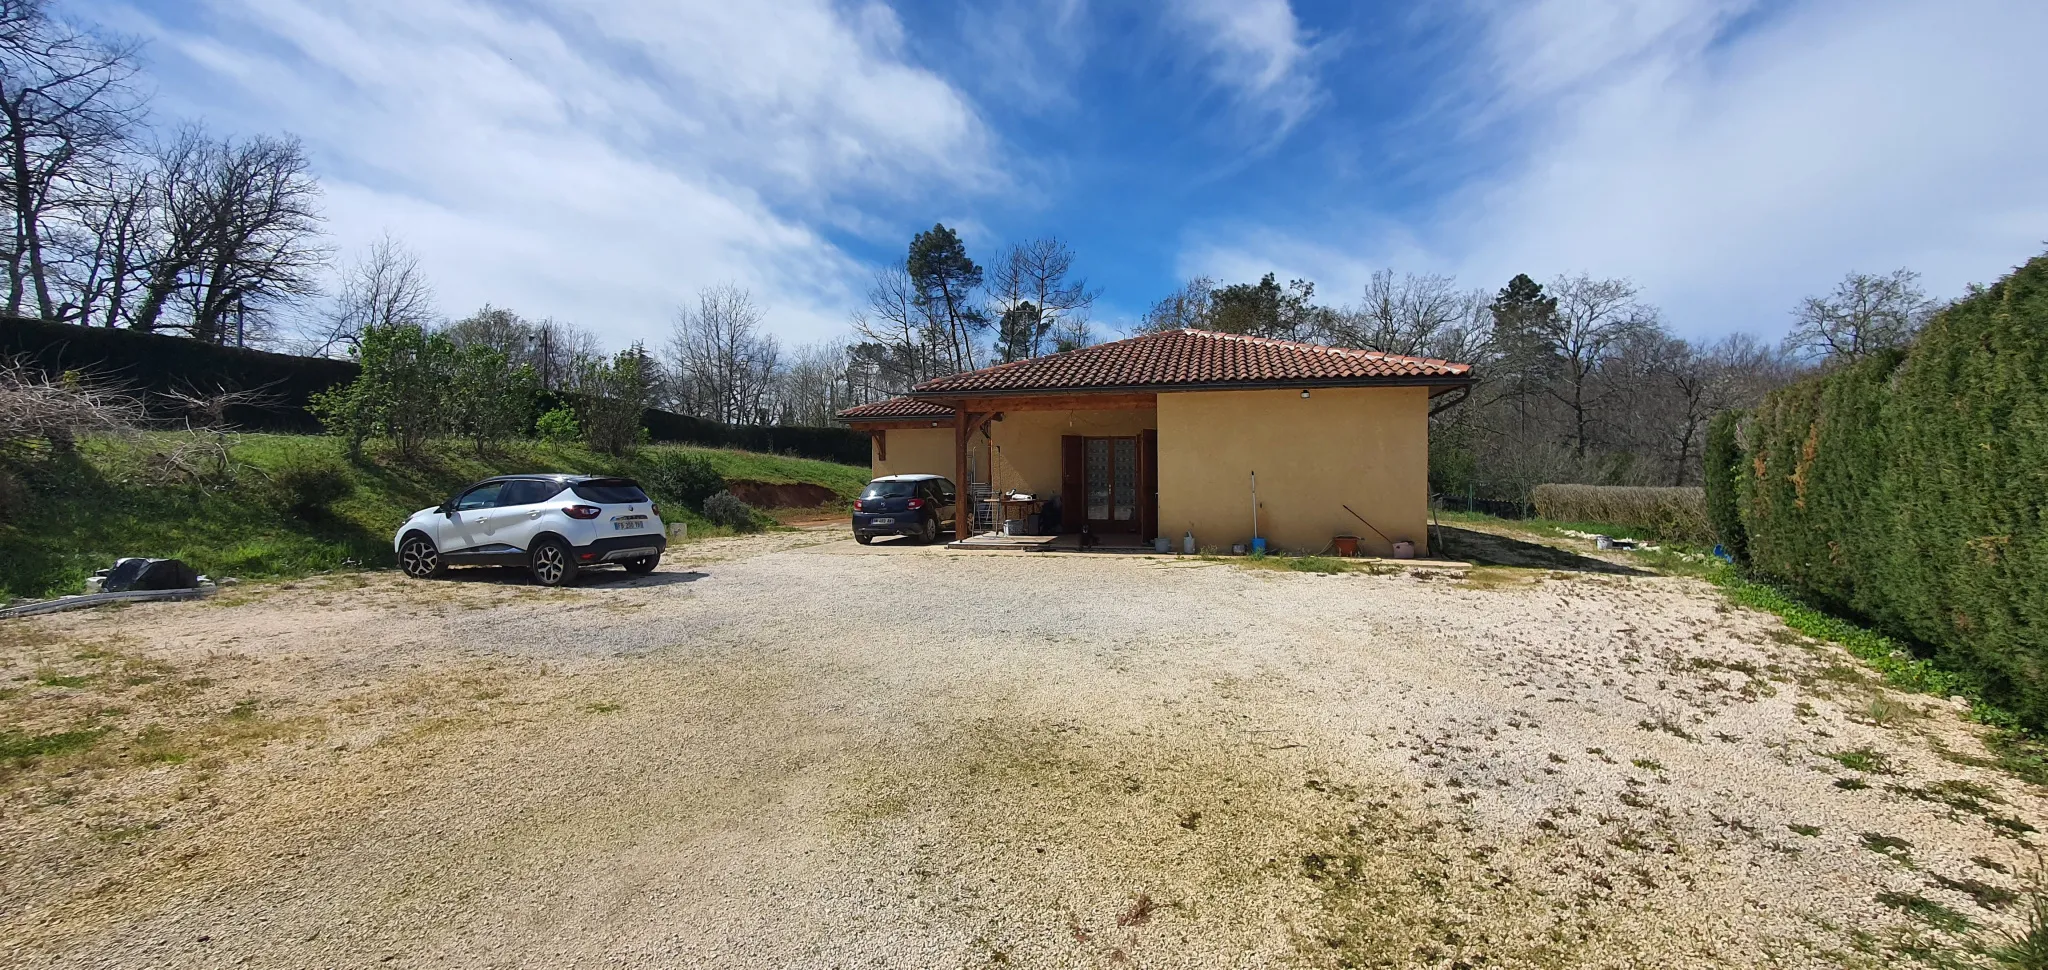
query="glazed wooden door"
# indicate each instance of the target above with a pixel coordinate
(1110, 499)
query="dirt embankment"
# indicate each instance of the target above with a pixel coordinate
(784, 495)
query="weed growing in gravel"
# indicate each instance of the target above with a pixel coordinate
(1807, 830)
(1862, 759)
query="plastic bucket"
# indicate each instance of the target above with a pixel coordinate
(1259, 547)
(1346, 545)
(1162, 545)
(1404, 550)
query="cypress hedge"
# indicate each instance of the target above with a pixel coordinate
(1909, 489)
(1723, 460)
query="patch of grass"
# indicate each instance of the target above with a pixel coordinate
(1648, 764)
(602, 707)
(21, 748)
(1807, 830)
(1861, 759)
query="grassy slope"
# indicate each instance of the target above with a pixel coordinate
(90, 509)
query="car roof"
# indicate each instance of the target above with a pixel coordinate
(558, 479)
(909, 478)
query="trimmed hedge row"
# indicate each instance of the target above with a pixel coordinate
(160, 364)
(1910, 489)
(1666, 513)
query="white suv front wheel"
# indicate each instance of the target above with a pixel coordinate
(418, 557)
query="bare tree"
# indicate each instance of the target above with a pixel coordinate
(1191, 307)
(1034, 297)
(1410, 314)
(384, 287)
(725, 365)
(1594, 319)
(900, 343)
(239, 232)
(68, 110)
(1865, 314)
(811, 386)
(555, 350)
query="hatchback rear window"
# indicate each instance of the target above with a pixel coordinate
(610, 491)
(890, 490)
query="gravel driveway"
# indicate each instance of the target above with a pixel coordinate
(793, 751)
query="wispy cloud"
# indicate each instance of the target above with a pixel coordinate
(599, 168)
(1258, 52)
(1728, 160)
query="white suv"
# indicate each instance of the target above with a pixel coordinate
(554, 525)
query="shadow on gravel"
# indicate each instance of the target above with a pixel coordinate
(1488, 549)
(601, 578)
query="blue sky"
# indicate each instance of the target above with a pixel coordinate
(599, 162)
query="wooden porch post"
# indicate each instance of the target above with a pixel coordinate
(963, 511)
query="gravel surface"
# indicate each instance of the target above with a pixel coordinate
(793, 751)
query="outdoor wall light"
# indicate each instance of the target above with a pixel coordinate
(1304, 395)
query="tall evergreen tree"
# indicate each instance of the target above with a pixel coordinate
(945, 280)
(1525, 335)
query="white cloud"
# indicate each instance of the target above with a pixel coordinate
(1258, 51)
(598, 165)
(1728, 173)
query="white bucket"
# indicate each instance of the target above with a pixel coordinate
(1404, 550)
(1013, 527)
(1162, 545)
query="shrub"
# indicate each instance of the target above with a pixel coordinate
(559, 425)
(616, 393)
(679, 476)
(1723, 461)
(1908, 489)
(726, 509)
(1667, 513)
(308, 485)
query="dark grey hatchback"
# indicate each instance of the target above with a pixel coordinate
(919, 506)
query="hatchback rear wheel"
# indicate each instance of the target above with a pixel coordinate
(554, 564)
(930, 533)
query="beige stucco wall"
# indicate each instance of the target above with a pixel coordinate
(1358, 446)
(915, 451)
(1027, 443)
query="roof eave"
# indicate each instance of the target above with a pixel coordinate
(1445, 382)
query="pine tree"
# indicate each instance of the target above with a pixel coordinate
(945, 280)
(1525, 339)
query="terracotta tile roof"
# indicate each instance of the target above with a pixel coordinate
(896, 409)
(1198, 358)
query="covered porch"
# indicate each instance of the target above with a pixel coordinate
(1085, 466)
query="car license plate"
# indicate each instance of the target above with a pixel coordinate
(629, 524)
(882, 522)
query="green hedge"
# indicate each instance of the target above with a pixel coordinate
(1723, 462)
(1909, 489)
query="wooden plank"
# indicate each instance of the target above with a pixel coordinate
(963, 512)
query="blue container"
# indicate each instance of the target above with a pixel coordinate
(1258, 547)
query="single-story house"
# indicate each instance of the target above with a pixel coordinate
(1163, 434)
